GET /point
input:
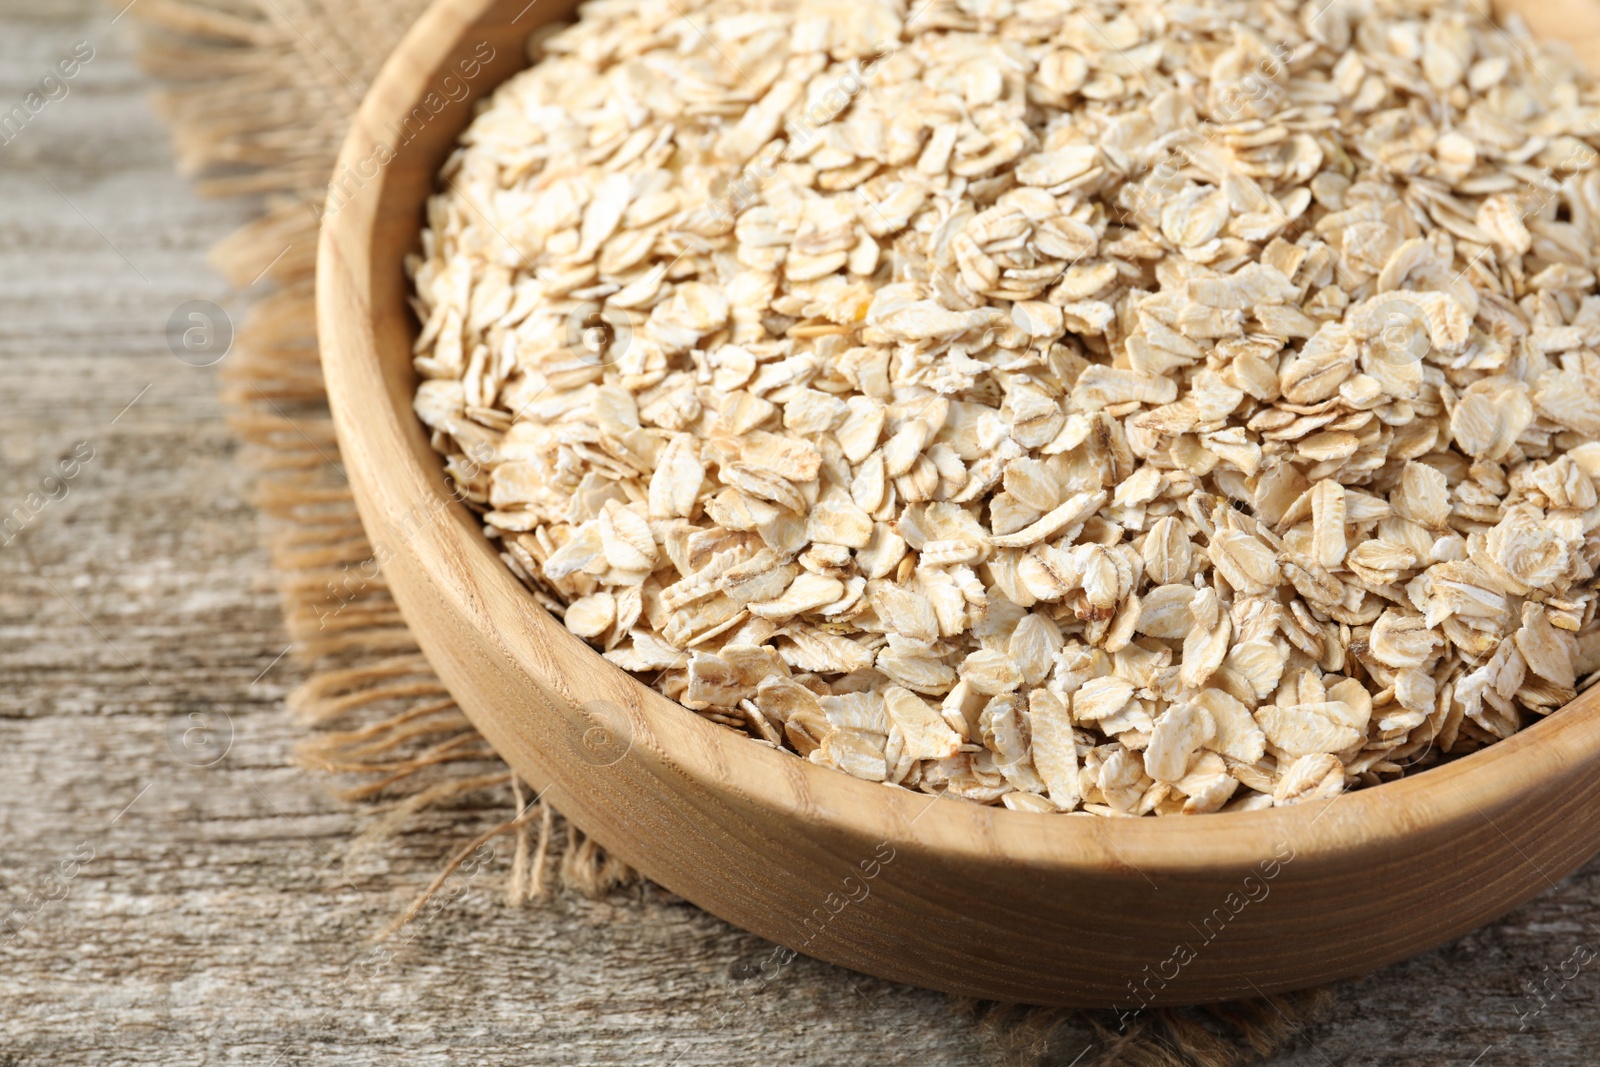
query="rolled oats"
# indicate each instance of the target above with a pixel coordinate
(1116, 407)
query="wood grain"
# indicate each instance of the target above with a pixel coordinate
(846, 870)
(212, 927)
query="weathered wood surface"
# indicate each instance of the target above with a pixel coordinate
(222, 917)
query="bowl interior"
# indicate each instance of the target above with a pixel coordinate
(405, 188)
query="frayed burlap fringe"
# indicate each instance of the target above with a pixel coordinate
(258, 95)
(1234, 1034)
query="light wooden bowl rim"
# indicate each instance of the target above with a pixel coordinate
(393, 472)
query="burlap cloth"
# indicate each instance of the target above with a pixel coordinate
(258, 95)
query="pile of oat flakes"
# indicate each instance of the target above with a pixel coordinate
(1087, 406)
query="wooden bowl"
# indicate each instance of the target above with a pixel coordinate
(1045, 909)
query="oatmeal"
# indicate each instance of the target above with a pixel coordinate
(1124, 408)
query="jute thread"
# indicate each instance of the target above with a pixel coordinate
(257, 96)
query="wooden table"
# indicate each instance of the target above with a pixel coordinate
(164, 912)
